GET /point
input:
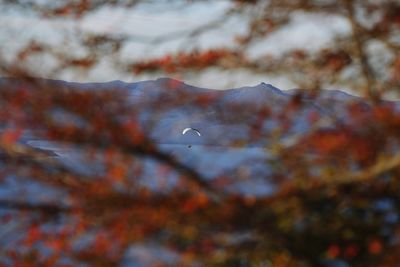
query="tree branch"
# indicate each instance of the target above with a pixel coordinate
(358, 38)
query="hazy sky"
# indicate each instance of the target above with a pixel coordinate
(154, 19)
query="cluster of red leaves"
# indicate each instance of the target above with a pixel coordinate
(334, 60)
(349, 251)
(366, 134)
(194, 60)
(11, 136)
(71, 8)
(85, 62)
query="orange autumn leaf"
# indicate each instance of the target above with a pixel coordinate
(55, 244)
(134, 132)
(34, 234)
(333, 251)
(101, 243)
(117, 173)
(329, 141)
(195, 202)
(11, 136)
(351, 251)
(375, 247)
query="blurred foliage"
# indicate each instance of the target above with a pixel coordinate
(336, 199)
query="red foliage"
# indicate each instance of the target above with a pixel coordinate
(335, 188)
(334, 60)
(375, 247)
(10, 137)
(193, 60)
(333, 251)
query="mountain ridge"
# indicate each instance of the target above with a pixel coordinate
(167, 82)
(165, 106)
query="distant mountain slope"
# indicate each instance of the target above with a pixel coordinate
(166, 106)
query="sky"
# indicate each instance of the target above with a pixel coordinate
(153, 19)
